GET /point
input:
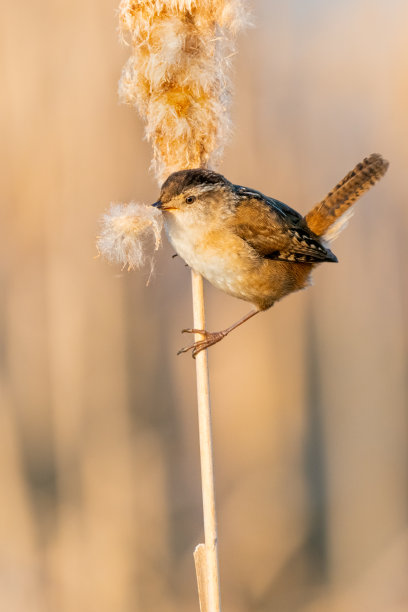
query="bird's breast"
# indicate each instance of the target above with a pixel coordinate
(229, 263)
(218, 254)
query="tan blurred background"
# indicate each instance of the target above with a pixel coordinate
(100, 504)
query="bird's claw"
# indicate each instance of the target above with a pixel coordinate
(210, 338)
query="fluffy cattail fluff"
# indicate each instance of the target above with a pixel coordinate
(177, 76)
(128, 231)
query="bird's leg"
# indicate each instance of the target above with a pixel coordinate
(211, 338)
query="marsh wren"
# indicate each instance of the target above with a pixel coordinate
(249, 245)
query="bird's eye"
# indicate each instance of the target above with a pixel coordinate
(190, 199)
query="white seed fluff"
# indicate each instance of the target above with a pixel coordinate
(129, 234)
(178, 76)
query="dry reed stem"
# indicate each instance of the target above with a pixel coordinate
(212, 601)
(200, 561)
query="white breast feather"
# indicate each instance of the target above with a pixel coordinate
(186, 237)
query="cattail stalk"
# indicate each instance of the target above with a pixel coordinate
(206, 557)
(178, 79)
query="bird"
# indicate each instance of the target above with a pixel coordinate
(249, 245)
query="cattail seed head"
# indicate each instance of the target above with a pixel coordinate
(178, 76)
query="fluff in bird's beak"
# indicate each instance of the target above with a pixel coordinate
(130, 233)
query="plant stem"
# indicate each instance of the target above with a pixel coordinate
(212, 600)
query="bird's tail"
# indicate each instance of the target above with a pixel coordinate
(330, 216)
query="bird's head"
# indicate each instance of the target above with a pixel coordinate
(192, 191)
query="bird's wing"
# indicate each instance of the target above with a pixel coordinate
(275, 230)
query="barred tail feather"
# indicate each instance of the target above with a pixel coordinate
(328, 212)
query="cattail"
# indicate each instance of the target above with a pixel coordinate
(178, 79)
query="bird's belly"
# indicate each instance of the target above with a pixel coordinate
(230, 264)
(223, 259)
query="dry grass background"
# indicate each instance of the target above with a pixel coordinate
(99, 470)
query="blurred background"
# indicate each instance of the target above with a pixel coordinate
(100, 505)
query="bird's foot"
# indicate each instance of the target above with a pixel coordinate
(209, 339)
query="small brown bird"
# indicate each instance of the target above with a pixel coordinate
(249, 245)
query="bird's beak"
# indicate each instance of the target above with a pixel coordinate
(159, 204)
